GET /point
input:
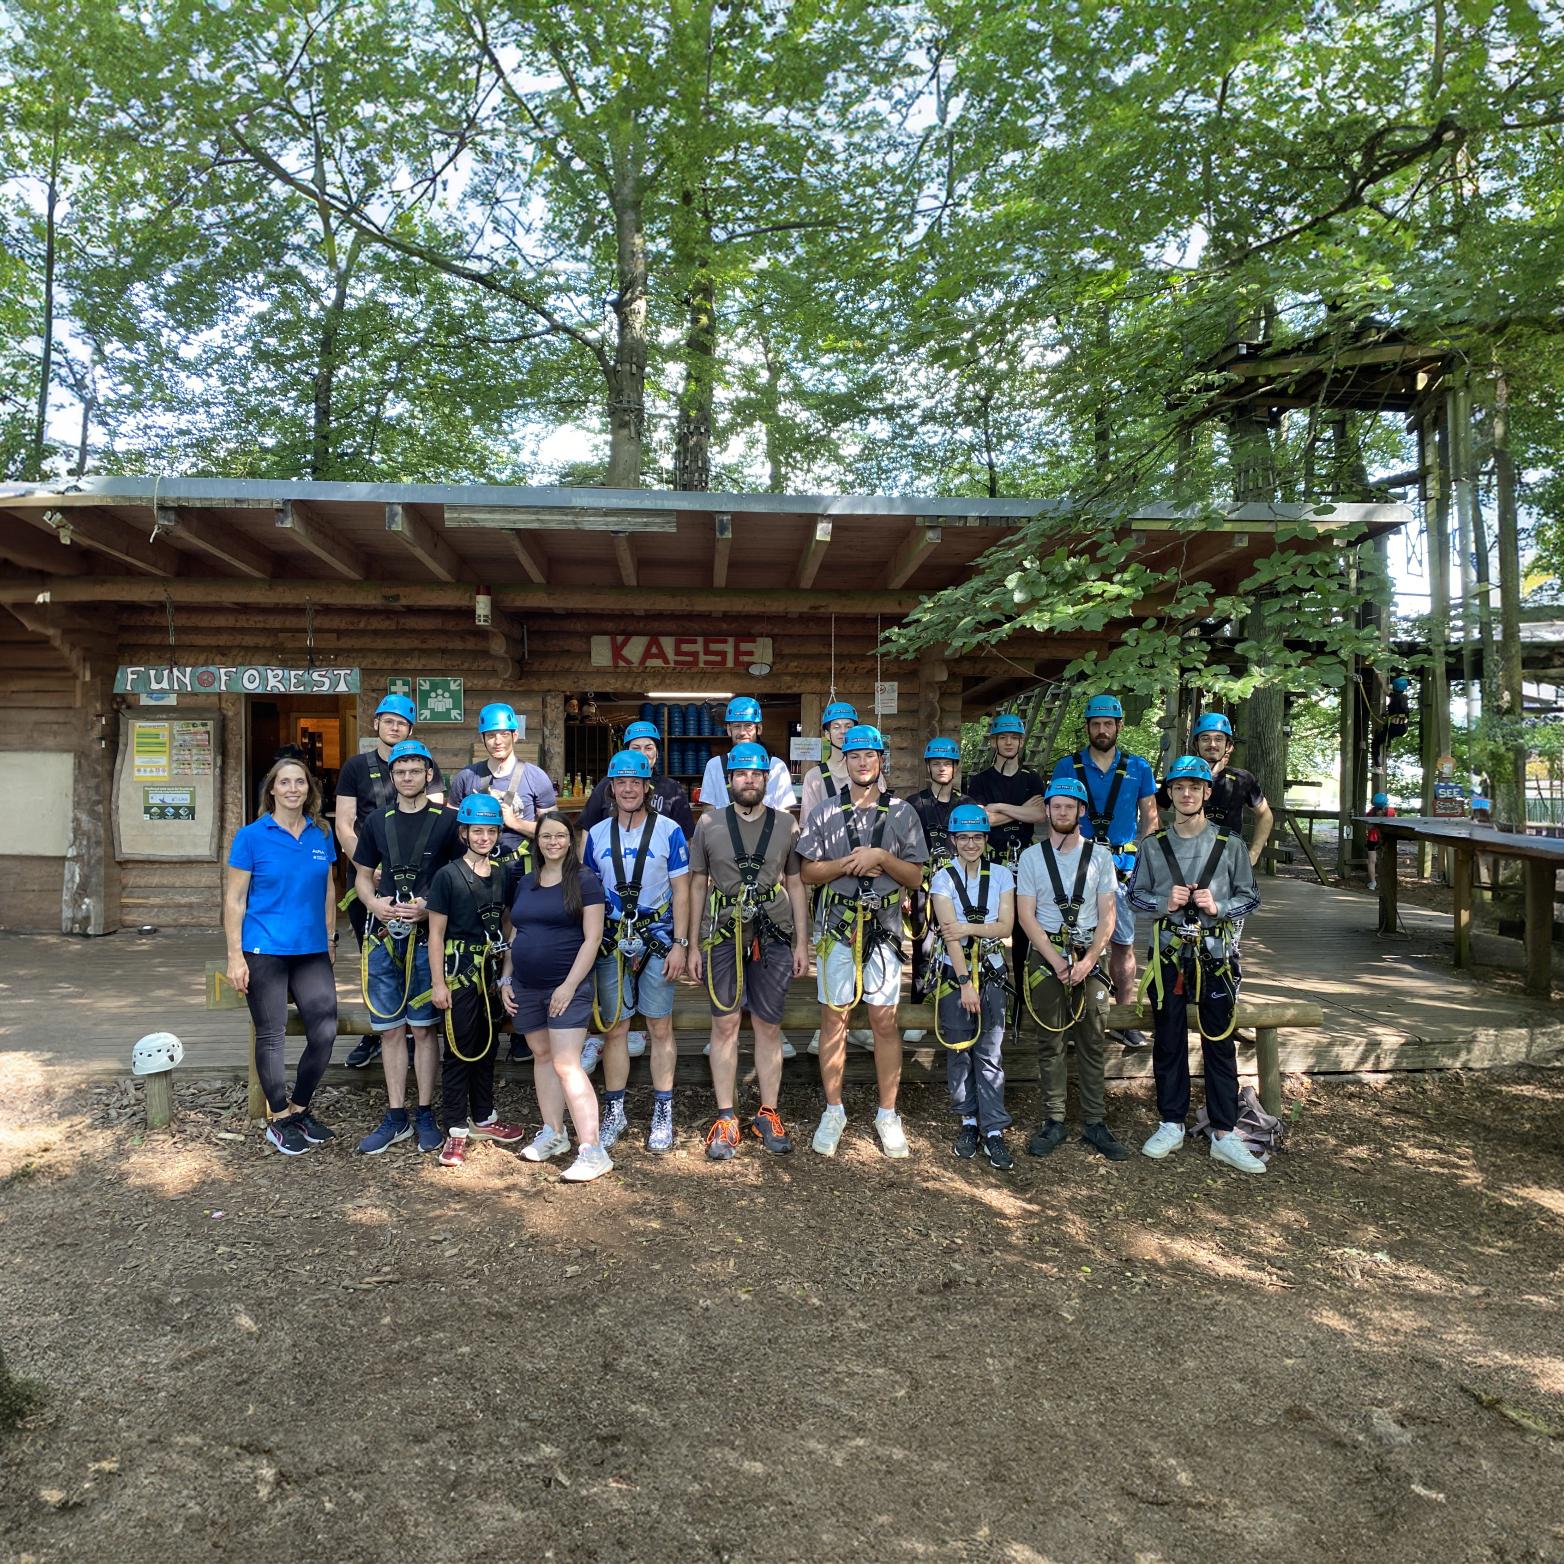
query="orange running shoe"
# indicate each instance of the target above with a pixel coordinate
(767, 1128)
(722, 1139)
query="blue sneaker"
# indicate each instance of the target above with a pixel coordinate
(430, 1135)
(392, 1128)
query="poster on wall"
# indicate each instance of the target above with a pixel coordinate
(149, 745)
(441, 700)
(166, 799)
(168, 803)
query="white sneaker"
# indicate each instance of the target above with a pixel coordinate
(829, 1135)
(788, 1050)
(1231, 1149)
(706, 1049)
(814, 1043)
(591, 1162)
(613, 1126)
(1168, 1137)
(893, 1139)
(861, 1037)
(591, 1052)
(545, 1144)
(636, 1044)
(913, 1036)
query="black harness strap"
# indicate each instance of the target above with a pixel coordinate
(630, 889)
(1102, 824)
(407, 869)
(380, 789)
(485, 897)
(1208, 870)
(1069, 906)
(882, 812)
(970, 913)
(750, 864)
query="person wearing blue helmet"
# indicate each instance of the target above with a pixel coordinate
(643, 861)
(523, 789)
(1379, 805)
(743, 720)
(1121, 791)
(1233, 790)
(667, 796)
(1066, 899)
(1397, 718)
(364, 787)
(829, 778)
(932, 804)
(1195, 880)
(864, 849)
(398, 853)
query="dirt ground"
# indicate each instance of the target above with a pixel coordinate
(248, 1357)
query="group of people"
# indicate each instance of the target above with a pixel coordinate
(1019, 896)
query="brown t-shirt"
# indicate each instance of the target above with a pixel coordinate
(711, 854)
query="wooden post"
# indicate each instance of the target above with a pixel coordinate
(1268, 1060)
(1541, 878)
(1461, 901)
(255, 1098)
(1385, 872)
(160, 1099)
(90, 900)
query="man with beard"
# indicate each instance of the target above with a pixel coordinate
(1233, 790)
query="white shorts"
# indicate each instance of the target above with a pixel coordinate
(835, 978)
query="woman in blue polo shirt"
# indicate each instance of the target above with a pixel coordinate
(279, 913)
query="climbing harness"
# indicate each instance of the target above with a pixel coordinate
(1065, 938)
(470, 963)
(631, 937)
(1191, 955)
(747, 909)
(406, 869)
(1102, 820)
(985, 959)
(381, 797)
(845, 918)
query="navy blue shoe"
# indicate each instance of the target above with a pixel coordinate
(363, 1053)
(430, 1135)
(392, 1128)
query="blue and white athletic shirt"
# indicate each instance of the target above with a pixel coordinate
(667, 858)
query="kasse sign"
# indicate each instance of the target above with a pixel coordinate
(680, 651)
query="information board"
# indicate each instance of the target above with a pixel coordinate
(166, 785)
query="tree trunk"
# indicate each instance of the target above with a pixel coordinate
(1512, 805)
(692, 447)
(46, 358)
(1264, 714)
(627, 374)
(775, 472)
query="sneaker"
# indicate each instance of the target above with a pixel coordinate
(706, 1049)
(364, 1052)
(429, 1136)
(966, 1142)
(997, 1152)
(722, 1139)
(1100, 1138)
(520, 1050)
(814, 1043)
(635, 1044)
(914, 1037)
(453, 1154)
(659, 1137)
(1048, 1138)
(312, 1129)
(495, 1130)
(828, 1135)
(788, 1050)
(591, 1162)
(861, 1037)
(393, 1127)
(1230, 1148)
(1168, 1137)
(545, 1144)
(768, 1129)
(286, 1135)
(591, 1052)
(614, 1124)
(893, 1139)
(1133, 1039)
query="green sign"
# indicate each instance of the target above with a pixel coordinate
(440, 700)
(399, 686)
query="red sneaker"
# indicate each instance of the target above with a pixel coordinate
(505, 1134)
(453, 1154)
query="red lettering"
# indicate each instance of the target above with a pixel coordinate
(744, 651)
(655, 653)
(686, 651)
(618, 646)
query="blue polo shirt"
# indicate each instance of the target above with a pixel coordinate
(1139, 782)
(285, 914)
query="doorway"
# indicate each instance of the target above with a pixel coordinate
(316, 726)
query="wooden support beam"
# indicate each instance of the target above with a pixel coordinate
(1461, 904)
(625, 555)
(1541, 879)
(106, 536)
(24, 547)
(569, 519)
(814, 553)
(533, 560)
(424, 542)
(916, 547)
(722, 526)
(85, 642)
(315, 537)
(185, 530)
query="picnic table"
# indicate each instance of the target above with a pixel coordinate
(1542, 856)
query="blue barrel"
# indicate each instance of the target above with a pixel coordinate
(661, 719)
(692, 717)
(676, 719)
(648, 712)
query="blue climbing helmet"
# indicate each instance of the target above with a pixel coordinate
(398, 706)
(1066, 787)
(942, 749)
(742, 708)
(1189, 768)
(748, 757)
(1105, 706)
(967, 817)
(1006, 722)
(1379, 800)
(643, 730)
(1401, 684)
(630, 763)
(497, 716)
(480, 809)
(409, 749)
(864, 736)
(1213, 722)
(839, 711)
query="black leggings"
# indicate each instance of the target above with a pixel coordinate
(467, 1085)
(313, 985)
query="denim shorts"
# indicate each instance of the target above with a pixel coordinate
(1123, 919)
(650, 995)
(835, 978)
(389, 988)
(532, 1010)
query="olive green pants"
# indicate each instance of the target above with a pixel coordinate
(1056, 1005)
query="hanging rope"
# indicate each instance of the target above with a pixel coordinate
(833, 657)
(309, 632)
(168, 614)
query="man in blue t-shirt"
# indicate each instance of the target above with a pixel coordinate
(643, 860)
(1121, 792)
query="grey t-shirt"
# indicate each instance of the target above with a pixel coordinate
(711, 854)
(1232, 885)
(1032, 880)
(825, 836)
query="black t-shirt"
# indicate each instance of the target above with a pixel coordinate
(367, 778)
(441, 846)
(666, 798)
(1233, 791)
(458, 893)
(995, 787)
(934, 814)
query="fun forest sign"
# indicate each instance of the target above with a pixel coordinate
(233, 679)
(679, 651)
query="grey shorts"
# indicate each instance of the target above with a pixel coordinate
(532, 1010)
(765, 981)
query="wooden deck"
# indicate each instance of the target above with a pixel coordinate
(1389, 1002)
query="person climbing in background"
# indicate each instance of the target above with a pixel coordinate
(1379, 805)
